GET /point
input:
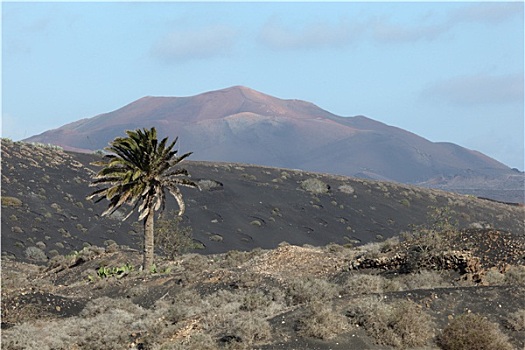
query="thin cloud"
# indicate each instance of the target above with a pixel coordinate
(479, 89)
(277, 35)
(489, 13)
(185, 45)
(315, 35)
(383, 31)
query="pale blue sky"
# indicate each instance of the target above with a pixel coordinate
(447, 71)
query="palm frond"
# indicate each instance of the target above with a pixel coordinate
(137, 171)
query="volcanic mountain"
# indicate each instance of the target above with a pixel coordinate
(242, 125)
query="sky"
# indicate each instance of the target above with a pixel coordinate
(447, 71)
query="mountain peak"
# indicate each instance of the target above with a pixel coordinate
(239, 124)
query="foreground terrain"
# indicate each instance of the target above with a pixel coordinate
(378, 296)
(277, 259)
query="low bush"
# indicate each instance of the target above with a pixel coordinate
(423, 279)
(494, 277)
(321, 321)
(515, 276)
(255, 301)
(347, 189)
(473, 332)
(309, 289)
(35, 253)
(399, 324)
(11, 202)
(516, 320)
(207, 185)
(171, 238)
(315, 186)
(363, 284)
(251, 329)
(95, 328)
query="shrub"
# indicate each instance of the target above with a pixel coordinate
(364, 284)
(309, 289)
(405, 202)
(472, 332)
(320, 321)
(347, 189)
(252, 329)
(424, 279)
(207, 185)
(11, 202)
(255, 301)
(197, 341)
(35, 253)
(515, 276)
(516, 320)
(400, 324)
(104, 324)
(315, 186)
(494, 277)
(171, 237)
(17, 229)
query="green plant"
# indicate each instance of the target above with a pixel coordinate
(473, 332)
(118, 272)
(11, 202)
(442, 219)
(154, 269)
(138, 172)
(405, 202)
(172, 238)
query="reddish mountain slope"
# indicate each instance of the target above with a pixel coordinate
(239, 124)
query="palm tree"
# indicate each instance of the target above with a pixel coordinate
(137, 172)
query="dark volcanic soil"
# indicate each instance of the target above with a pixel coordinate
(240, 207)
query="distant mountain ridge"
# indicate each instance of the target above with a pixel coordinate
(242, 125)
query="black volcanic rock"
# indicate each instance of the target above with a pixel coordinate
(242, 125)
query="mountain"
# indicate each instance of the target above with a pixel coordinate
(242, 125)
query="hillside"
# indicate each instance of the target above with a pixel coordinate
(241, 125)
(343, 279)
(240, 207)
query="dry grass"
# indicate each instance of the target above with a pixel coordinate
(320, 320)
(473, 332)
(400, 324)
(516, 320)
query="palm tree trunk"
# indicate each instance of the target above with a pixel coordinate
(149, 247)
